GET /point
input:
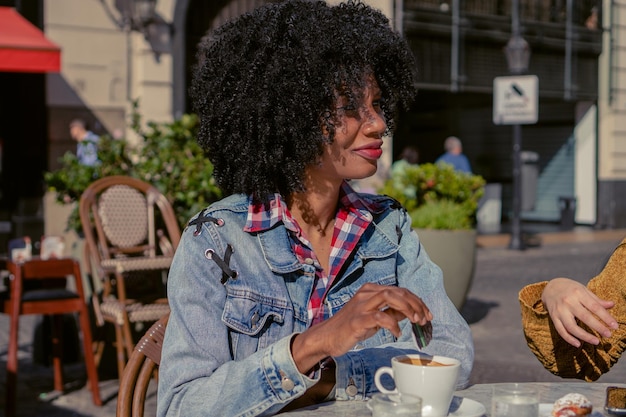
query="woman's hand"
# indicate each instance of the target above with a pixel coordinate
(567, 300)
(373, 307)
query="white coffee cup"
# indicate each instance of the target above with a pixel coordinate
(433, 378)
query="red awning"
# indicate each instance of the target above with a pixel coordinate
(23, 47)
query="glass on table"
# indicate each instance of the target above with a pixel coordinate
(393, 405)
(515, 400)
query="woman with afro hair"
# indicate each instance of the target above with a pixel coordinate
(294, 289)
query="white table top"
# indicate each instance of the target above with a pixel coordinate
(548, 391)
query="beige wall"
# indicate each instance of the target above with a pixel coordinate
(612, 110)
(103, 68)
(93, 59)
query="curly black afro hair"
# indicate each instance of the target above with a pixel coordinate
(265, 85)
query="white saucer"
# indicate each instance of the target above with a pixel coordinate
(465, 407)
(545, 410)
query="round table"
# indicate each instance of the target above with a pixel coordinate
(548, 393)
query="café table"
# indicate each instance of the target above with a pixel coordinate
(548, 393)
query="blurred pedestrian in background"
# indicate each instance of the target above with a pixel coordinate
(87, 142)
(410, 156)
(454, 155)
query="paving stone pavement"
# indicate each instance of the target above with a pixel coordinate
(491, 309)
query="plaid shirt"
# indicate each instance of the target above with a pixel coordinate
(352, 218)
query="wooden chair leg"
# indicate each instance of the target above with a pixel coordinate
(97, 348)
(128, 339)
(119, 347)
(11, 387)
(90, 362)
(57, 351)
(99, 341)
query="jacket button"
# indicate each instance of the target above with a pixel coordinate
(255, 319)
(287, 383)
(308, 261)
(351, 390)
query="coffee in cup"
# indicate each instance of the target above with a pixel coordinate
(423, 361)
(433, 378)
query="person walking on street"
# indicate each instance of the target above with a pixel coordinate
(454, 155)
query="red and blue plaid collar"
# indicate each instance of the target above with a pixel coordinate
(262, 217)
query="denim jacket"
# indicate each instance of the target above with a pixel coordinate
(227, 344)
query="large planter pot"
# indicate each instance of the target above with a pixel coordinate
(454, 251)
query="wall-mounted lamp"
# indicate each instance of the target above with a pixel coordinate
(141, 16)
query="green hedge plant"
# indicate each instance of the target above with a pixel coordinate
(436, 195)
(167, 156)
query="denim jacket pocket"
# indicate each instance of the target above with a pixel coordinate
(254, 320)
(349, 287)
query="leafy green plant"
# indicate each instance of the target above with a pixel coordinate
(171, 160)
(167, 156)
(73, 178)
(436, 196)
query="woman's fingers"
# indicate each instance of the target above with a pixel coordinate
(388, 319)
(373, 307)
(399, 299)
(568, 333)
(568, 301)
(598, 317)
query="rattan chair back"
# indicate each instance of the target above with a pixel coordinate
(131, 233)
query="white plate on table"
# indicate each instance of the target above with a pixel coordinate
(465, 407)
(545, 410)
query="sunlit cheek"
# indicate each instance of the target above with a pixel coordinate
(339, 158)
(334, 157)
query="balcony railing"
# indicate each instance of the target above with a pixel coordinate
(560, 35)
(584, 12)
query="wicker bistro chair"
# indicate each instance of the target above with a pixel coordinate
(142, 366)
(131, 233)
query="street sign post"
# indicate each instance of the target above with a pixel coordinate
(515, 100)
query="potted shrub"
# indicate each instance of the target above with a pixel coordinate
(442, 204)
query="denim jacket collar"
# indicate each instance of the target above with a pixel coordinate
(280, 258)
